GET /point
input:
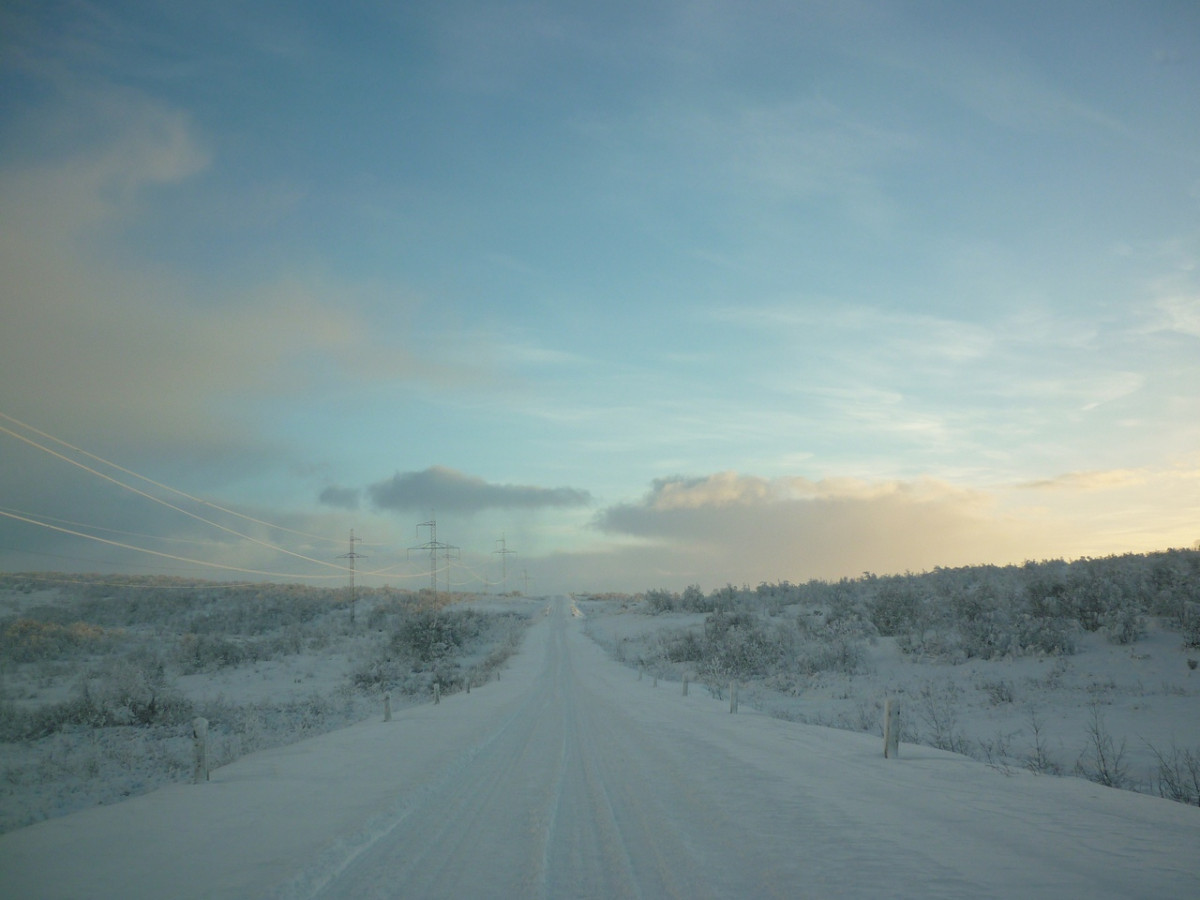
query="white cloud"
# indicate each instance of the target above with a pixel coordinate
(103, 342)
(739, 527)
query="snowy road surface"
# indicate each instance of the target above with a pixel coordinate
(572, 778)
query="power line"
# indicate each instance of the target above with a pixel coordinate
(153, 537)
(165, 487)
(486, 582)
(124, 546)
(154, 499)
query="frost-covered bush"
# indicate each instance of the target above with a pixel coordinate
(831, 646)
(1177, 774)
(1049, 635)
(1102, 760)
(937, 708)
(693, 600)
(1188, 623)
(429, 635)
(735, 643)
(208, 652)
(1123, 624)
(895, 608)
(683, 646)
(128, 691)
(28, 639)
(660, 602)
(446, 646)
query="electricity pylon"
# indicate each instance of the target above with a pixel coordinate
(352, 556)
(433, 545)
(504, 554)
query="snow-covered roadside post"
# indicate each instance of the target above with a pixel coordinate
(732, 697)
(891, 729)
(200, 749)
(387, 707)
(685, 684)
(437, 692)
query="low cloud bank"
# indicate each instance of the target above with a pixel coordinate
(448, 490)
(728, 527)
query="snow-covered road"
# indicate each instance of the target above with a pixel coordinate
(572, 778)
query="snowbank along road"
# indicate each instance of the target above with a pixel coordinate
(573, 778)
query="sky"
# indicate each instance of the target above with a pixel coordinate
(652, 294)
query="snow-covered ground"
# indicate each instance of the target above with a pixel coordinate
(572, 776)
(1038, 712)
(97, 692)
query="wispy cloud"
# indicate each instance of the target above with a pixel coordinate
(1088, 481)
(1180, 313)
(447, 490)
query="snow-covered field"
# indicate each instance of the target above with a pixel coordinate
(1041, 713)
(99, 683)
(572, 776)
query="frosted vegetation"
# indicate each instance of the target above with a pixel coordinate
(1081, 669)
(1084, 668)
(100, 679)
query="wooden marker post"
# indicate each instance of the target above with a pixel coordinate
(387, 707)
(733, 703)
(685, 685)
(891, 729)
(200, 749)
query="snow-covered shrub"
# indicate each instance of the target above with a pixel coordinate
(1188, 623)
(896, 607)
(1088, 596)
(837, 647)
(1177, 774)
(1039, 760)
(28, 639)
(999, 691)
(693, 600)
(660, 602)
(737, 643)
(209, 652)
(848, 601)
(937, 708)
(683, 646)
(128, 691)
(1123, 624)
(446, 646)
(984, 622)
(1102, 761)
(1048, 635)
(429, 635)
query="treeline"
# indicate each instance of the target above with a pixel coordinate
(970, 612)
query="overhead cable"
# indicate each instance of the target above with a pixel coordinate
(159, 500)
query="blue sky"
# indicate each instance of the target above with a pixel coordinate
(663, 293)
